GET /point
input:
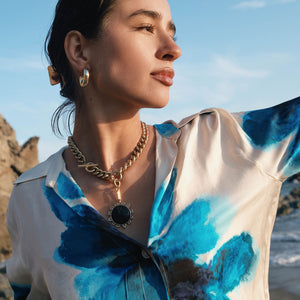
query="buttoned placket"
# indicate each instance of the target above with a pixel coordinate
(144, 257)
(165, 147)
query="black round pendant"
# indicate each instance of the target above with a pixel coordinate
(120, 214)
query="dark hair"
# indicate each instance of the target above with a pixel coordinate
(85, 16)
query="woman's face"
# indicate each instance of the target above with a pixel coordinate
(132, 60)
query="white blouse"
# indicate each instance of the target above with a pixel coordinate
(218, 178)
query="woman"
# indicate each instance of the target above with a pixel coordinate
(129, 211)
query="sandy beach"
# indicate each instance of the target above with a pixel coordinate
(284, 283)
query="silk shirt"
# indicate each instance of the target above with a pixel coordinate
(218, 178)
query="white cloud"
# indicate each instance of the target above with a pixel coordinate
(20, 64)
(233, 81)
(285, 1)
(217, 82)
(221, 93)
(250, 4)
(226, 68)
(253, 4)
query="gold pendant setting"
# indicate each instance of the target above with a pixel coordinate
(120, 215)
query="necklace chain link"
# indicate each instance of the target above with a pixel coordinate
(114, 176)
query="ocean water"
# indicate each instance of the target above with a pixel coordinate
(285, 242)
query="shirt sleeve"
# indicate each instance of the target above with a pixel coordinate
(273, 135)
(17, 272)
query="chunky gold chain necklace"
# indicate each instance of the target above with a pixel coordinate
(120, 214)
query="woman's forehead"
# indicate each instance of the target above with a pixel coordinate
(130, 7)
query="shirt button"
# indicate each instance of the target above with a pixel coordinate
(145, 254)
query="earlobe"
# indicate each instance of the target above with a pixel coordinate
(74, 45)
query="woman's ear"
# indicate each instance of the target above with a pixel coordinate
(75, 44)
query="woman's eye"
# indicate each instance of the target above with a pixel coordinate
(149, 28)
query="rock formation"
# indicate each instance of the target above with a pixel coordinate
(14, 160)
(289, 202)
(295, 177)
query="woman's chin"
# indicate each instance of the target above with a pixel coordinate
(158, 103)
(158, 100)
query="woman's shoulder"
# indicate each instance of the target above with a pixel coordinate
(203, 118)
(280, 113)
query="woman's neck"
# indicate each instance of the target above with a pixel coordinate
(105, 138)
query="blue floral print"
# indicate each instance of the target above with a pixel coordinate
(193, 233)
(104, 259)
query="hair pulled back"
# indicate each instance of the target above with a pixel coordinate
(85, 16)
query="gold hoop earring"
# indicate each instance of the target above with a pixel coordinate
(84, 79)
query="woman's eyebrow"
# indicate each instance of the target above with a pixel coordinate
(154, 15)
(149, 13)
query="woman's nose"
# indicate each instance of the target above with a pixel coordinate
(168, 50)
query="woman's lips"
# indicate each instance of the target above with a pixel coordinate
(165, 76)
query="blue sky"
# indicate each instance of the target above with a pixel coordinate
(239, 55)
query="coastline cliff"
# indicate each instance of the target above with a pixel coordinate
(14, 160)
